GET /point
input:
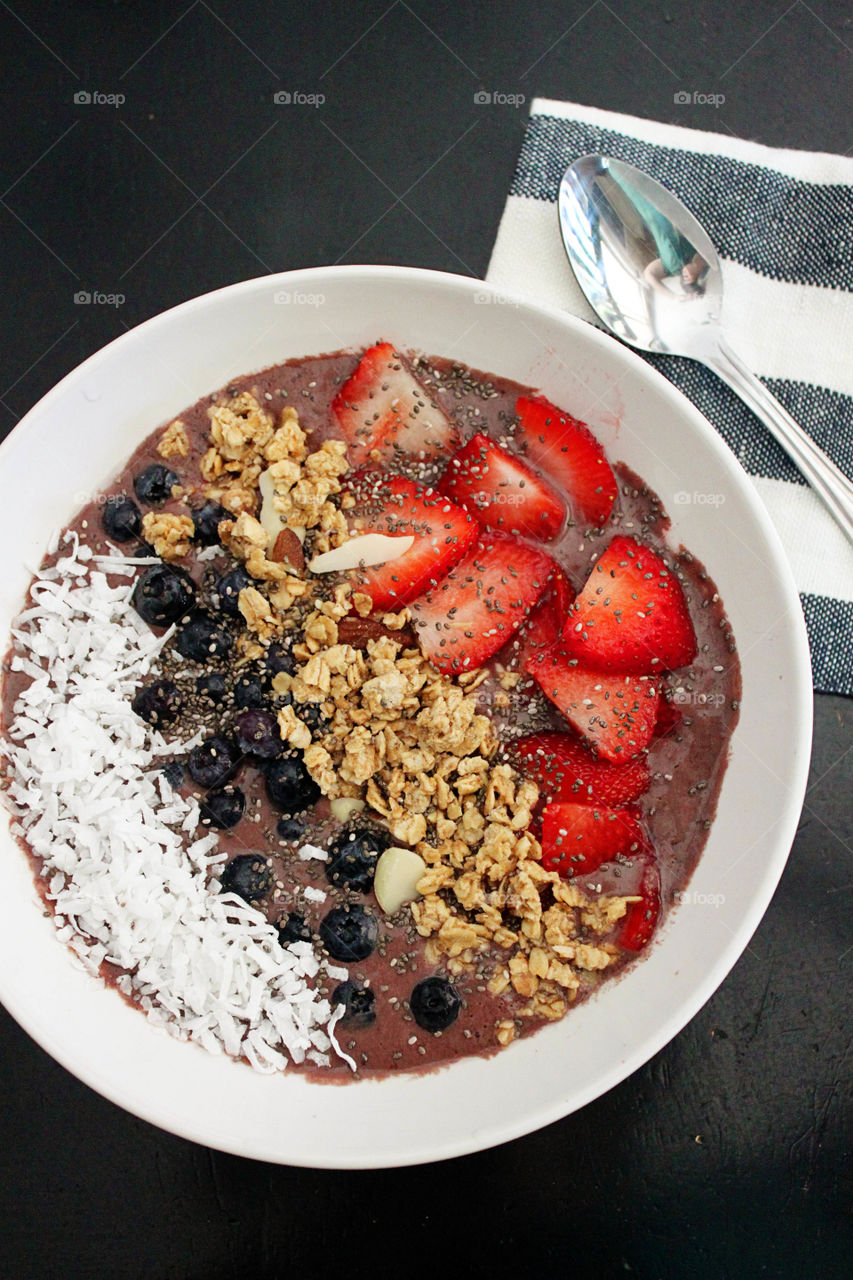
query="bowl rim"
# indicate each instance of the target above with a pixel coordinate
(800, 695)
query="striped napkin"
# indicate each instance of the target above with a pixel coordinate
(782, 222)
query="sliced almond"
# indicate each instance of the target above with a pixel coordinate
(369, 549)
(287, 549)
(397, 874)
(357, 632)
(268, 516)
(343, 807)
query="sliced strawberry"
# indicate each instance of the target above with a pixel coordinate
(383, 412)
(394, 505)
(563, 593)
(631, 615)
(616, 714)
(546, 621)
(502, 491)
(579, 838)
(569, 454)
(481, 603)
(538, 634)
(669, 718)
(641, 918)
(566, 770)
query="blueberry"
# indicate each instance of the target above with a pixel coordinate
(353, 858)
(154, 485)
(223, 807)
(121, 518)
(159, 702)
(435, 1004)
(144, 552)
(359, 1003)
(289, 785)
(213, 686)
(201, 638)
(212, 762)
(290, 829)
(163, 594)
(250, 689)
(206, 520)
(258, 734)
(279, 657)
(173, 772)
(248, 875)
(228, 588)
(349, 933)
(293, 929)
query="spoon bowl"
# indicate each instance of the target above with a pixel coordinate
(631, 245)
(650, 272)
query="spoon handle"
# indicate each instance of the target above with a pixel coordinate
(830, 483)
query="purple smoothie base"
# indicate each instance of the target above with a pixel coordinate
(687, 763)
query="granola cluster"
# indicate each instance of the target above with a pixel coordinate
(246, 443)
(170, 535)
(174, 442)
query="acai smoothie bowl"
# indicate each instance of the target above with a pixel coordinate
(377, 711)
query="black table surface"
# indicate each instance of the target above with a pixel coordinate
(727, 1155)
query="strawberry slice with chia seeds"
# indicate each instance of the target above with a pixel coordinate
(481, 603)
(567, 452)
(579, 838)
(631, 615)
(615, 714)
(669, 718)
(385, 414)
(395, 506)
(642, 917)
(566, 770)
(545, 623)
(502, 491)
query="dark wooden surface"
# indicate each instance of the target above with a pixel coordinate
(728, 1154)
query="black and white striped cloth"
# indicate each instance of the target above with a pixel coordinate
(782, 222)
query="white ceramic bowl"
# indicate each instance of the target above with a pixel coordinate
(81, 433)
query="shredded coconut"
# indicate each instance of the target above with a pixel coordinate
(308, 851)
(209, 553)
(131, 884)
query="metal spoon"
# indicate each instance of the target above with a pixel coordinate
(653, 277)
